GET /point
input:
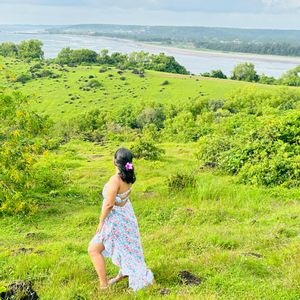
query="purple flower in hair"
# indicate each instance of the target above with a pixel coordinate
(129, 166)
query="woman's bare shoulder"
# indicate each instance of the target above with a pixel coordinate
(115, 179)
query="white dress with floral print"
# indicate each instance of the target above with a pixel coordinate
(121, 239)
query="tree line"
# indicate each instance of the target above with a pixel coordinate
(246, 72)
(261, 41)
(32, 49)
(270, 48)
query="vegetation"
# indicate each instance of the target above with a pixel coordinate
(217, 188)
(136, 61)
(22, 139)
(260, 41)
(246, 72)
(215, 74)
(31, 49)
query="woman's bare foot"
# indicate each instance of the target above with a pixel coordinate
(103, 287)
(116, 279)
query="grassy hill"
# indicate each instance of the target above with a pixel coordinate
(55, 95)
(242, 242)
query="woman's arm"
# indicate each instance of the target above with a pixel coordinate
(111, 192)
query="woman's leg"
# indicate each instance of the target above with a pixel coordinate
(95, 252)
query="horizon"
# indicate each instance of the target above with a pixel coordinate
(150, 25)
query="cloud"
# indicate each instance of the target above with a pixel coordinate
(213, 6)
(279, 5)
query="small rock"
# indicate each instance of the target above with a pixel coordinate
(190, 210)
(21, 290)
(210, 164)
(39, 252)
(164, 291)
(31, 234)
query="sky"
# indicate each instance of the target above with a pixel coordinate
(273, 14)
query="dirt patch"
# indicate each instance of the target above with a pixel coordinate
(190, 210)
(94, 187)
(188, 278)
(23, 250)
(149, 194)
(174, 75)
(257, 255)
(94, 156)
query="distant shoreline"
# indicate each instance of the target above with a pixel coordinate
(198, 52)
(197, 61)
(242, 55)
(186, 51)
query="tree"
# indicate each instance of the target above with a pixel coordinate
(215, 74)
(83, 56)
(267, 79)
(245, 72)
(31, 49)
(64, 56)
(139, 59)
(164, 63)
(104, 58)
(8, 49)
(218, 74)
(291, 77)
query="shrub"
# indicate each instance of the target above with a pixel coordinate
(166, 82)
(23, 78)
(260, 150)
(49, 175)
(181, 181)
(94, 83)
(145, 148)
(151, 115)
(181, 128)
(22, 139)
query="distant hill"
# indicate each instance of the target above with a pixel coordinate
(261, 41)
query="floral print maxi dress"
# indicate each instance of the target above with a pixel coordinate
(121, 239)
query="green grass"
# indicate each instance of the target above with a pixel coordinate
(211, 231)
(54, 95)
(242, 241)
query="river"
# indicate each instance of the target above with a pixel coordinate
(195, 61)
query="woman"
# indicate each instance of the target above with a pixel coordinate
(118, 234)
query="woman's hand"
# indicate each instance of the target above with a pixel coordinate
(121, 204)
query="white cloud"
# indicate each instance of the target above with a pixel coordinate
(286, 5)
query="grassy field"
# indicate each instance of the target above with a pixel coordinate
(242, 242)
(55, 95)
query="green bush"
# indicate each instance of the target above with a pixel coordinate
(49, 175)
(94, 83)
(23, 78)
(181, 128)
(181, 181)
(22, 139)
(146, 148)
(261, 150)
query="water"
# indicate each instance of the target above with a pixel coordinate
(195, 61)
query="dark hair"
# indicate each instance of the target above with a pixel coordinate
(123, 156)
